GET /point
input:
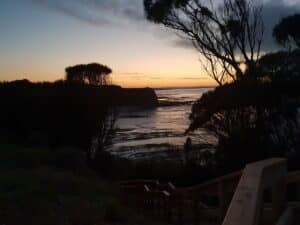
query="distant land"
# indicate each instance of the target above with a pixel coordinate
(189, 87)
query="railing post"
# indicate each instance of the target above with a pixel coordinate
(196, 209)
(165, 208)
(160, 205)
(180, 208)
(222, 201)
(278, 198)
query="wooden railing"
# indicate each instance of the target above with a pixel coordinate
(236, 199)
(181, 204)
(221, 189)
(287, 218)
(247, 205)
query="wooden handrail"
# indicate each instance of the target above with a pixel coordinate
(210, 183)
(247, 203)
(209, 187)
(221, 188)
(212, 199)
(287, 218)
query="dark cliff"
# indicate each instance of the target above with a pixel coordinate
(145, 97)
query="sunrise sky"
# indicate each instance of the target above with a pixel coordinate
(39, 38)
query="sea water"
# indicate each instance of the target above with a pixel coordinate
(159, 133)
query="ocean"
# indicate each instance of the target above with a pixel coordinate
(158, 133)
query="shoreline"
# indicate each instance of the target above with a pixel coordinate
(194, 87)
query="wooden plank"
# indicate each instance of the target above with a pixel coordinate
(247, 203)
(287, 217)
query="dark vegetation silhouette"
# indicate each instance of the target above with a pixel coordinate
(63, 113)
(228, 36)
(256, 118)
(52, 140)
(253, 120)
(284, 64)
(281, 65)
(93, 73)
(42, 185)
(254, 111)
(45, 117)
(287, 32)
(53, 114)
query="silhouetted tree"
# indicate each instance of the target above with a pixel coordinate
(281, 65)
(256, 118)
(287, 32)
(228, 34)
(272, 63)
(93, 73)
(99, 74)
(252, 119)
(58, 114)
(284, 64)
(75, 74)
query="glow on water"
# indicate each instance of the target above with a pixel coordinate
(154, 130)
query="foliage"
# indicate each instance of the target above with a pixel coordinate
(227, 35)
(287, 32)
(256, 115)
(65, 114)
(54, 114)
(93, 73)
(281, 65)
(252, 119)
(115, 168)
(43, 182)
(52, 186)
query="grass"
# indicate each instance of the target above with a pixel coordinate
(52, 186)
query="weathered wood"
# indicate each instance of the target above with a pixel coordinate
(287, 218)
(278, 198)
(212, 185)
(247, 203)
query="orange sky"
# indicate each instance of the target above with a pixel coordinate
(159, 81)
(38, 44)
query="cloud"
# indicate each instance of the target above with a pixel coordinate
(118, 12)
(97, 12)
